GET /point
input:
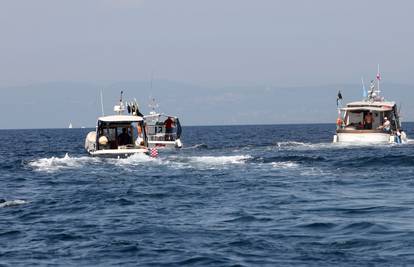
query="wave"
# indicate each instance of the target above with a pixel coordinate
(9, 203)
(290, 159)
(197, 146)
(294, 145)
(388, 160)
(285, 165)
(135, 159)
(220, 160)
(291, 144)
(55, 163)
(203, 162)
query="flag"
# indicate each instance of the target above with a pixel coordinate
(364, 91)
(338, 98)
(153, 152)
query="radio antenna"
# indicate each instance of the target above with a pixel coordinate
(102, 106)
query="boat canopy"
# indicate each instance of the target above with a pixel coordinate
(120, 118)
(155, 115)
(370, 106)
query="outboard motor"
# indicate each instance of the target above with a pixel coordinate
(178, 143)
(90, 141)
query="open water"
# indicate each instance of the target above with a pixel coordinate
(280, 195)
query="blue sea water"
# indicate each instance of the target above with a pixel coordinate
(275, 195)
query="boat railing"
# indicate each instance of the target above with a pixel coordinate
(159, 133)
(162, 137)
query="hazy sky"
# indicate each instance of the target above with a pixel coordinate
(211, 42)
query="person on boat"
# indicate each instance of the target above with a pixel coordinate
(124, 138)
(398, 137)
(403, 135)
(169, 124)
(368, 121)
(386, 126)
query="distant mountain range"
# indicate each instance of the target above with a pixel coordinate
(56, 104)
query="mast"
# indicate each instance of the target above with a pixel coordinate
(378, 80)
(102, 107)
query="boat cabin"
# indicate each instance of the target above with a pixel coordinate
(120, 131)
(366, 115)
(161, 127)
(117, 135)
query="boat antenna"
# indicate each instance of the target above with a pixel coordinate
(153, 105)
(102, 106)
(378, 80)
(119, 109)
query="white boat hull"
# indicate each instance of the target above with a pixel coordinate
(118, 153)
(165, 144)
(364, 138)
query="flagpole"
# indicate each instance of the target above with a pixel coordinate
(378, 79)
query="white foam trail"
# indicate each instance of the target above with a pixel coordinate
(285, 165)
(220, 160)
(10, 203)
(135, 159)
(55, 163)
(194, 146)
(291, 143)
(203, 162)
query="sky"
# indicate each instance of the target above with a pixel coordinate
(210, 44)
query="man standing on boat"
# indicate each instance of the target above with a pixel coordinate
(169, 124)
(368, 120)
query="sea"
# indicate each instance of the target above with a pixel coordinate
(253, 195)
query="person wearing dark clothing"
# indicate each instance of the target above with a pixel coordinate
(124, 138)
(169, 124)
(368, 121)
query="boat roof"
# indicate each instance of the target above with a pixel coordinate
(367, 109)
(120, 118)
(371, 104)
(367, 105)
(154, 115)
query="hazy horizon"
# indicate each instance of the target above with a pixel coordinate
(56, 104)
(215, 49)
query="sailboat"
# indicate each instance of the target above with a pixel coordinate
(70, 125)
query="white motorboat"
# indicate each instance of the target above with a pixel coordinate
(163, 131)
(118, 135)
(372, 120)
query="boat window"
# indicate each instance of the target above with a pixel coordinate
(355, 119)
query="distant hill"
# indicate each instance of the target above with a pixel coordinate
(56, 104)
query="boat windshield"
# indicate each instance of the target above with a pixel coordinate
(119, 135)
(364, 119)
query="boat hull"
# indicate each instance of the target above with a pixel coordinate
(165, 144)
(363, 137)
(118, 153)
